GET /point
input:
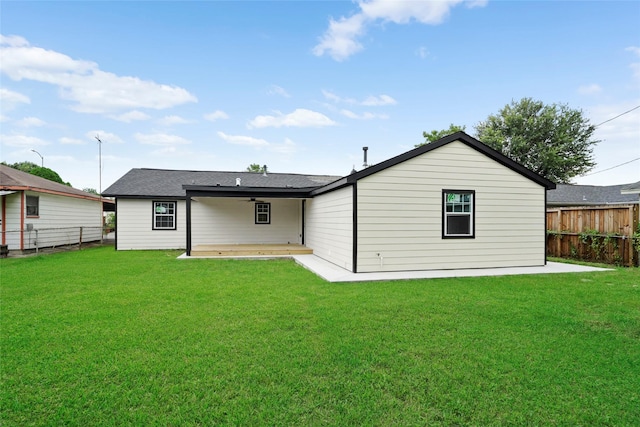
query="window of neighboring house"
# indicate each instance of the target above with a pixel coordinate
(263, 213)
(164, 215)
(458, 214)
(33, 203)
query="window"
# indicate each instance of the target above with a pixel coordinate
(33, 205)
(263, 213)
(164, 215)
(458, 214)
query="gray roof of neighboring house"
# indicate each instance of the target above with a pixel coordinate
(17, 180)
(587, 195)
(169, 183)
(631, 188)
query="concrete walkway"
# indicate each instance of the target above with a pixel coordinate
(332, 273)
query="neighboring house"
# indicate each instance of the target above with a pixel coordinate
(633, 189)
(591, 195)
(454, 203)
(32, 204)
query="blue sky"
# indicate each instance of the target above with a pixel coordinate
(301, 86)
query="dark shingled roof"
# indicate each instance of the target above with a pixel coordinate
(588, 195)
(631, 188)
(168, 183)
(14, 179)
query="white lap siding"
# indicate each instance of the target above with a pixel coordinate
(329, 227)
(232, 221)
(400, 214)
(58, 221)
(134, 227)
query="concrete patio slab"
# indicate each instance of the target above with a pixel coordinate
(333, 273)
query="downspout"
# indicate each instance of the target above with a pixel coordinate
(4, 220)
(354, 222)
(304, 203)
(188, 205)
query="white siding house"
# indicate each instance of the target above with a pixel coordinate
(40, 213)
(454, 203)
(329, 227)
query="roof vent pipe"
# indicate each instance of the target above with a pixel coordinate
(365, 156)
(237, 182)
(264, 170)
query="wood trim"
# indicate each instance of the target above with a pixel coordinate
(54, 192)
(23, 197)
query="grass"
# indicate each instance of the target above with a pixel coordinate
(98, 337)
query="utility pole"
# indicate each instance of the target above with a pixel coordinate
(100, 185)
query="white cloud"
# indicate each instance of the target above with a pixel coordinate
(22, 141)
(370, 101)
(277, 90)
(379, 100)
(131, 116)
(90, 89)
(29, 122)
(634, 49)
(590, 89)
(71, 141)
(105, 137)
(161, 139)
(9, 99)
(299, 118)
(340, 39)
(363, 116)
(216, 115)
(172, 120)
(4, 118)
(243, 140)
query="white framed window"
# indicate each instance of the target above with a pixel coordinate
(263, 213)
(33, 206)
(458, 214)
(164, 215)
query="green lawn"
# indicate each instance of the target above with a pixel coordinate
(98, 337)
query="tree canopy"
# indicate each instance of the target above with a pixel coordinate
(40, 171)
(554, 141)
(254, 167)
(435, 135)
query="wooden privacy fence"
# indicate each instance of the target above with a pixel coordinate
(607, 234)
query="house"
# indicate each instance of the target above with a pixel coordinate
(633, 189)
(37, 212)
(454, 203)
(591, 195)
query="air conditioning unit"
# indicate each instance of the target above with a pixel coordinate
(28, 227)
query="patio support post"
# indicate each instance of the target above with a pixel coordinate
(188, 206)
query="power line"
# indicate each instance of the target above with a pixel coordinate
(619, 115)
(616, 166)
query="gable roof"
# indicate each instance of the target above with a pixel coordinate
(169, 183)
(149, 183)
(589, 195)
(458, 136)
(16, 180)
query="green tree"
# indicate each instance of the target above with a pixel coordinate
(91, 190)
(435, 135)
(254, 167)
(554, 141)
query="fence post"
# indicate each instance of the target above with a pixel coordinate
(80, 239)
(559, 236)
(37, 242)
